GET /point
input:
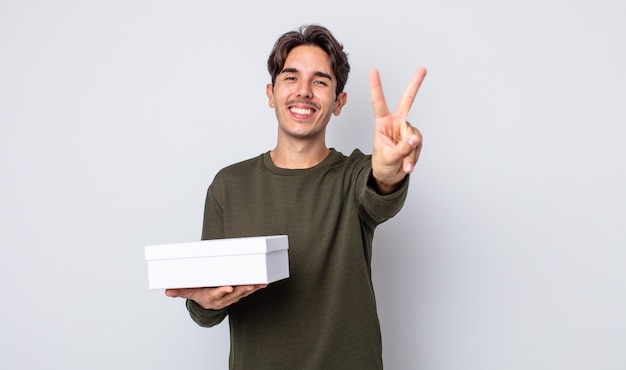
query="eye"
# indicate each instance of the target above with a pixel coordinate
(321, 83)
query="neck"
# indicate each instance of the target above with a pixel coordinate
(298, 157)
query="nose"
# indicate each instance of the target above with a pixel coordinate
(304, 90)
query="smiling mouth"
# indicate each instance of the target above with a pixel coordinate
(302, 111)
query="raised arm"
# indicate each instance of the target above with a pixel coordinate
(397, 144)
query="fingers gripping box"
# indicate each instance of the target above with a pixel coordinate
(218, 262)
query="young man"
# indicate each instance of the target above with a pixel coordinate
(324, 315)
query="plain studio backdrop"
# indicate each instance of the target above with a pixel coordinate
(508, 254)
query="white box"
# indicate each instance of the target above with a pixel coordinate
(218, 262)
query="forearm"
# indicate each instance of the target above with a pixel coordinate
(377, 207)
(386, 187)
(203, 317)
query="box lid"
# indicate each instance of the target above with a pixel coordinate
(217, 247)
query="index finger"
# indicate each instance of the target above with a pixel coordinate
(409, 94)
(376, 94)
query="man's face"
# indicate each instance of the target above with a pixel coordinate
(303, 94)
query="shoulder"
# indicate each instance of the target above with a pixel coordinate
(239, 168)
(235, 174)
(354, 168)
(338, 158)
(357, 161)
(359, 156)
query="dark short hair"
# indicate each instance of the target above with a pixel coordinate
(310, 35)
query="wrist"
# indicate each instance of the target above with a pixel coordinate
(385, 186)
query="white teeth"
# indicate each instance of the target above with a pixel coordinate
(301, 110)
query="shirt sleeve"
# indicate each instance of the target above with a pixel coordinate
(213, 222)
(374, 207)
(212, 228)
(203, 317)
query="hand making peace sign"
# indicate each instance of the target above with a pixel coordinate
(397, 144)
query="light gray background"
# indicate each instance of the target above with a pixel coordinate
(509, 253)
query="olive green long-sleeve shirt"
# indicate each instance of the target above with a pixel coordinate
(324, 315)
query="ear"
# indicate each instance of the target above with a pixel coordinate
(341, 101)
(269, 91)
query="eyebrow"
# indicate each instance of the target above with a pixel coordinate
(318, 73)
